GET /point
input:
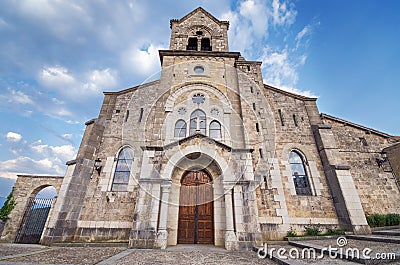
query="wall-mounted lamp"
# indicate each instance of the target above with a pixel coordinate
(380, 162)
(97, 165)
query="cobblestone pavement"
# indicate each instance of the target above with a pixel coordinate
(376, 247)
(13, 254)
(15, 249)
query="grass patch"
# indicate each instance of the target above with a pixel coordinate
(379, 220)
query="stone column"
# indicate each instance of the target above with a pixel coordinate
(344, 193)
(230, 236)
(144, 229)
(162, 234)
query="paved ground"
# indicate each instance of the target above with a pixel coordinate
(12, 254)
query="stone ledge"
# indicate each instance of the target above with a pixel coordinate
(37, 176)
(375, 238)
(71, 162)
(324, 126)
(341, 167)
(90, 122)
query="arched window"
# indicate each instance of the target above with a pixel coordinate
(299, 174)
(122, 170)
(205, 44)
(197, 122)
(215, 130)
(180, 129)
(192, 44)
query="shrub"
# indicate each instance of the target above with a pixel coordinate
(378, 220)
(335, 231)
(392, 219)
(8, 206)
(291, 232)
(312, 230)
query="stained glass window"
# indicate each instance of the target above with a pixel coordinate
(299, 174)
(123, 170)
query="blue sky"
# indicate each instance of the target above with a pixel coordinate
(57, 57)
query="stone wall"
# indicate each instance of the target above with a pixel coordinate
(279, 206)
(359, 147)
(393, 153)
(26, 187)
(63, 224)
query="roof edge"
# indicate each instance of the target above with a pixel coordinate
(194, 11)
(131, 88)
(355, 125)
(290, 94)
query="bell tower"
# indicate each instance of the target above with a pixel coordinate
(199, 31)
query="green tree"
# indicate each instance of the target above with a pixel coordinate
(8, 206)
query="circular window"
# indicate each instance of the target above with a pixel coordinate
(198, 98)
(214, 112)
(199, 32)
(181, 111)
(198, 69)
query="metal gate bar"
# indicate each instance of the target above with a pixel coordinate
(33, 221)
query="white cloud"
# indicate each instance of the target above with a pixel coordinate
(100, 80)
(58, 78)
(20, 97)
(143, 61)
(63, 112)
(306, 30)
(72, 122)
(280, 70)
(67, 136)
(8, 175)
(26, 165)
(249, 24)
(59, 17)
(63, 153)
(38, 158)
(13, 137)
(13, 96)
(283, 13)
(258, 13)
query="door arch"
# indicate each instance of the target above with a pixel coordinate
(35, 215)
(196, 209)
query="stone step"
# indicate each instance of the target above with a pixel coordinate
(387, 233)
(297, 256)
(347, 248)
(346, 257)
(375, 238)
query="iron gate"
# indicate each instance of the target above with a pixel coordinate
(33, 221)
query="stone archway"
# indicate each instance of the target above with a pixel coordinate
(197, 162)
(25, 189)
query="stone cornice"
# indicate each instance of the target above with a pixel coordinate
(196, 135)
(163, 53)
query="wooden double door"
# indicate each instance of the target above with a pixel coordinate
(196, 209)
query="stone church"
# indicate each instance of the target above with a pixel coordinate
(208, 154)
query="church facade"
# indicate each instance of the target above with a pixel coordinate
(208, 154)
